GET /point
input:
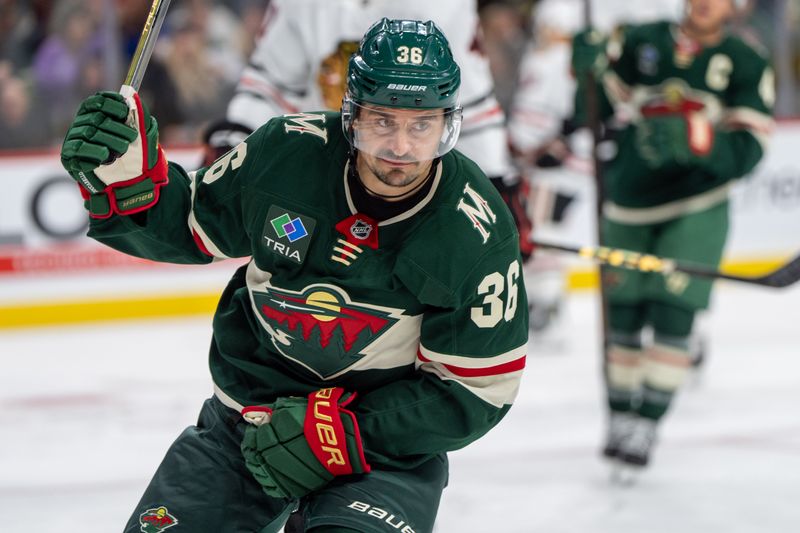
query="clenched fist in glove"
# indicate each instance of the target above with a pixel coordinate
(515, 196)
(674, 140)
(111, 150)
(299, 445)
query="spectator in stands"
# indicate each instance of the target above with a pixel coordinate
(201, 86)
(60, 62)
(16, 25)
(20, 119)
(221, 32)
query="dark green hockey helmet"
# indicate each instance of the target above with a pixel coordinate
(404, 63)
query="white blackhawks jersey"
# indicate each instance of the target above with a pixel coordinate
(300, 64)
(544, 97)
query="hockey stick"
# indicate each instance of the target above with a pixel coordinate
(784, 276)
(144, 48)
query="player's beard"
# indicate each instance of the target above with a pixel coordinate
(398, 177)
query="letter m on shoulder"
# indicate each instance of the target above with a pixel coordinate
(477, 211)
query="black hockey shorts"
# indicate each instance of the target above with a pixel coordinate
(203, 486)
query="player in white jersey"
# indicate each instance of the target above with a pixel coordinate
(544, 96)
(542, 102)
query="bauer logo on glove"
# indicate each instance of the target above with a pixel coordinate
(298, 445)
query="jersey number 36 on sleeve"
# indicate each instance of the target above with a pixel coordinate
(499, 298)
(234, 158)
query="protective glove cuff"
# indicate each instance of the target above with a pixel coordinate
(97, 204)
(332, 432)
(129, 197)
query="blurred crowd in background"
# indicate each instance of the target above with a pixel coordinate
(53, 53)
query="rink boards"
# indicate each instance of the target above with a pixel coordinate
(51, 273)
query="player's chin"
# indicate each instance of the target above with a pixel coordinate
(398, 178)
(399, 172)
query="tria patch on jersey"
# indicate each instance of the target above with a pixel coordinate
(287, 234)
(156, 519)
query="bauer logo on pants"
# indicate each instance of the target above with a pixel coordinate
(288, 234)
(156, 520)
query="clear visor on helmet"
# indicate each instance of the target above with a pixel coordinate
(400, 134)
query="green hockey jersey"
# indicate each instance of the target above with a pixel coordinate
(654, 70)
(424, 315)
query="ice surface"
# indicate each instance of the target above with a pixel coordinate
(86, 413)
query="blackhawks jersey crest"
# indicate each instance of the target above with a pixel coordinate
(321, 327)
(332, 77)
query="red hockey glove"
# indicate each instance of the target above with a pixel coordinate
(111, 149)
(516, 198)
(299, 445)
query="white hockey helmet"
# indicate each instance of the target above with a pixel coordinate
(562, 16)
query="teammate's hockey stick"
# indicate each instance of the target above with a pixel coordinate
(784, 276)
(144, 49)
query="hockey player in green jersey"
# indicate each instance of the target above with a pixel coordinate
(694, 104)
(380, 322)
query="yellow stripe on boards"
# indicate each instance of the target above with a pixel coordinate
(27, 315)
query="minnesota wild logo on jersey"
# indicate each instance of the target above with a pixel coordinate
(156, 520)
(320, 327)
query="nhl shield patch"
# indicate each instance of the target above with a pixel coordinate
(288, 234)
(156, 520)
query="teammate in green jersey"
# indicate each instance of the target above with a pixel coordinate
(694, 104)
(380, 322)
